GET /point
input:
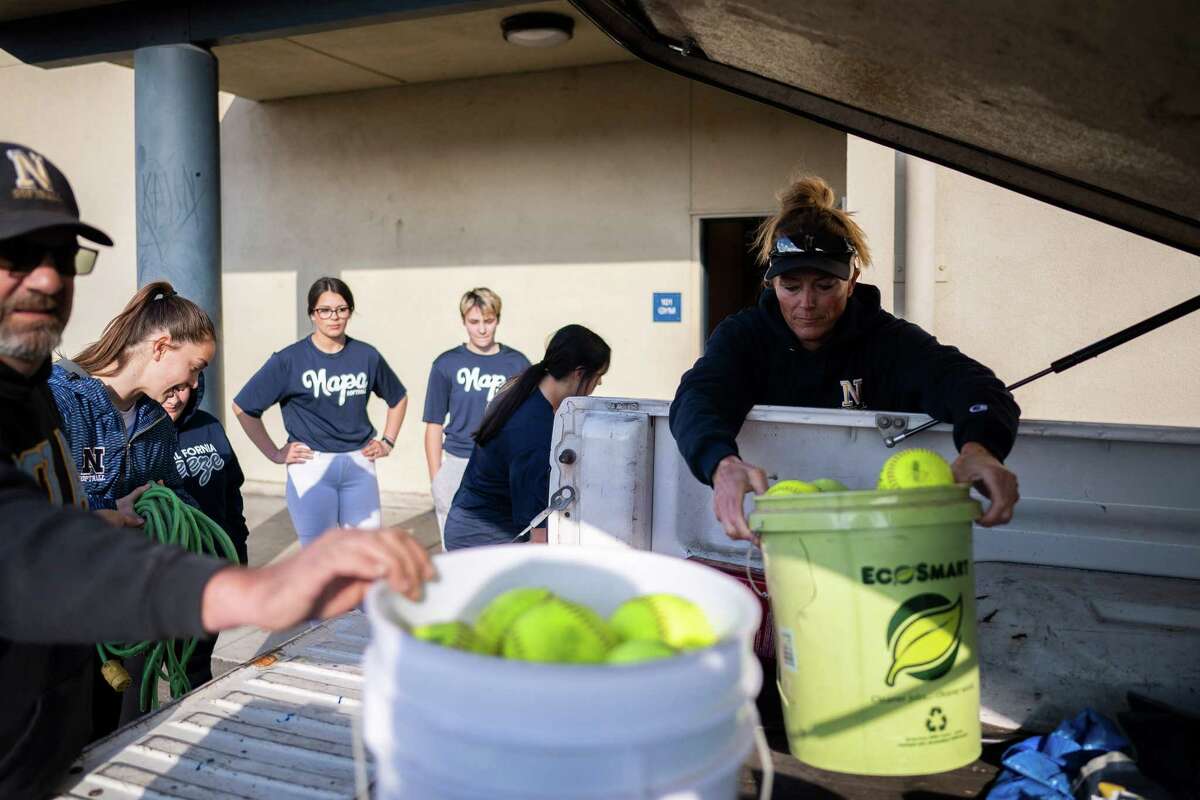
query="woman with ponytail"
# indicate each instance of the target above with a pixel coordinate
(819, 338)
(110, 395)
(110, 398)
(507, 480)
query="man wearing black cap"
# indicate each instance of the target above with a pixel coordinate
(68, 579)
(819, 338)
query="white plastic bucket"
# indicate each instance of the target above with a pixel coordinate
(443, 723)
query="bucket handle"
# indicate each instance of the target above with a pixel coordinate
(763, 751)
(362, 789)
(750, 576)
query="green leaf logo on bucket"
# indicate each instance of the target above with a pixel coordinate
(923, 636)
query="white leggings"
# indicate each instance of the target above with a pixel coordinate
(332, 490)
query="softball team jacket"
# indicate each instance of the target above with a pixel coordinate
(111, 462)
(210, 470)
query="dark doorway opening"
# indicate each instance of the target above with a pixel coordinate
(732, 278)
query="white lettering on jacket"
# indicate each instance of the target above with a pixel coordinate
(199, 461)
(472, 381)
(345, 385)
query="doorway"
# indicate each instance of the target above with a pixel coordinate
(732, 277)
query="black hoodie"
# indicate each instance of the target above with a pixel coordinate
(67, 579)
(210, 470)
(872, 361)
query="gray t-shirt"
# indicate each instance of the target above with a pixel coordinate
(461, 383)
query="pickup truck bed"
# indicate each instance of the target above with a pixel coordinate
(280, 727)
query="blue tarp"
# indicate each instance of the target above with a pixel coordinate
(1044, 767)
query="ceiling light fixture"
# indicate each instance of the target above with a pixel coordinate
(537, 29)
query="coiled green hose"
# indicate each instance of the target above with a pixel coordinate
(169, 520)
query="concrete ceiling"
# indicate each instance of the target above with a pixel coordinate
(21, 9)
(1092, 106)
(436, 48)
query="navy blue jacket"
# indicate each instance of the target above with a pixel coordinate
(507, 481)
(210, 470)
(111, 462)
(872, 360)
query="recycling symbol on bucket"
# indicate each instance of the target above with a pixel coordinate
(936, 721)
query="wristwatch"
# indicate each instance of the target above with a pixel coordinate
(391, 445)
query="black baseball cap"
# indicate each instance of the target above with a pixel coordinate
(35, 196)
(822, 252)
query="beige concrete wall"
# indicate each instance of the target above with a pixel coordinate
(81, 118)
(574, 194)
(870, 197)
(1028, 283)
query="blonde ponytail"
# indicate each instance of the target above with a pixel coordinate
(809, 206)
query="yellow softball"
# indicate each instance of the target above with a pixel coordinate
(504, 609)
(457, 635)
(914, 469)
(666, 618)
(791, 487)
(560, 631)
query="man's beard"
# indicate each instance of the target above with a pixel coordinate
(34, 342)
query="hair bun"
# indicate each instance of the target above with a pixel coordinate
(808, 206)
(811, 191)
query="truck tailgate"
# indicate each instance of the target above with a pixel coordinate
(279, 726)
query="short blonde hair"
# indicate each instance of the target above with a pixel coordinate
(483, 298)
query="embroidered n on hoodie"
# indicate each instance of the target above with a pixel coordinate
(113, 462)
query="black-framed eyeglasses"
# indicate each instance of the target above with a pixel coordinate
(26, 255)
(325, 312)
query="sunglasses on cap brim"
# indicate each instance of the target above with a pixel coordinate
(26, 255)
(834, 247)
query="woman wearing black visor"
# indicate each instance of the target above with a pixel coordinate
(819, 338)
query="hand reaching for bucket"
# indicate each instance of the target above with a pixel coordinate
(731, 481)
(976, 465)
(327, 578)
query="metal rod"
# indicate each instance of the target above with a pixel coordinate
(1030, 379)
(1079, 356)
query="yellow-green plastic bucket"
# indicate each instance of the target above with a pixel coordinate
(873, 595)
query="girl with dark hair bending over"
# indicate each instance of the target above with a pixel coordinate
(321, 384)
(507, 481)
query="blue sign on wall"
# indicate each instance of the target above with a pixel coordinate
(668, 306)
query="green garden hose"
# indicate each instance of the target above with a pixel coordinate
(169, 521)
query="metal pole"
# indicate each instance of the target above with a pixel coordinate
(178, 191)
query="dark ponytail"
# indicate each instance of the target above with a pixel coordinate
(572, 347)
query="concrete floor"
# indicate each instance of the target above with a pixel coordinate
(272, 537)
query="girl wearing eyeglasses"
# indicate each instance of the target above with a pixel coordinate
(321, 384)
